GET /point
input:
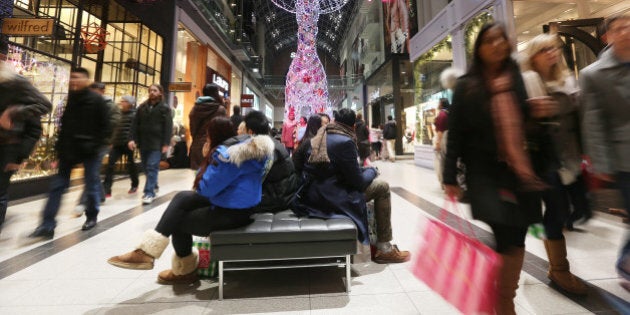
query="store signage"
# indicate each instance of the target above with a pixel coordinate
(247, 100)
(180, 87)
(220, 81)
(27, 27)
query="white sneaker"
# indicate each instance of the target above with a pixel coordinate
(147, 200)
(78, 210)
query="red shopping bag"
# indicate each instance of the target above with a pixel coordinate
(460, 268)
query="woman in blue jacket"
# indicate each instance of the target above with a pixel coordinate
(227, 186)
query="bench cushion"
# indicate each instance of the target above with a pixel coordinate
(286, 227)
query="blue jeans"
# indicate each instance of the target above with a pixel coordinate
(101, 191)
(151, 164)
(623, 264)
(60, 183)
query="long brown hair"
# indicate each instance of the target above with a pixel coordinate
(219, 129)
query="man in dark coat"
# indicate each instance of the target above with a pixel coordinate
(151, 133)
(236, 117)
(21, 107)
(337, 185)
(120, 139)
(363, 138)
(85, 127)
(389, 134)
(206, 107)
(281, 182)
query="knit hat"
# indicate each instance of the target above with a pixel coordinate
(129, 99)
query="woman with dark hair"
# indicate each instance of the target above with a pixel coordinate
(227, 186)
(487, 130)
(206, 107)
(301, 154)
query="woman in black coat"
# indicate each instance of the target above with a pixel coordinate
(490, 123)
(206, 107)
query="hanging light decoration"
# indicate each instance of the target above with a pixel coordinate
(306, 90)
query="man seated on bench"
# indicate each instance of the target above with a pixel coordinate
(336, 185)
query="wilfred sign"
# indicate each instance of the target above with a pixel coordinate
(27, 27)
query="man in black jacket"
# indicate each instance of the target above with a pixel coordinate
(281, 182)
(389, 134)
(120, 139)
(85, 126)
(21, 107)
(151, 133)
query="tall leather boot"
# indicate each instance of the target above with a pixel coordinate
(508, 280)
(184, 270)
(559, 271)
(151, 247)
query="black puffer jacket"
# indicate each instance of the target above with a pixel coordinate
(122, 132)
(281, 183)
(204, 110)
(152, 126)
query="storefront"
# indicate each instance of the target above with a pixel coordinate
(106, 37)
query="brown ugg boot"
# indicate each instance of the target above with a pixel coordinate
(150, 248)
(184, 270)
(559, 270)
(508, 280)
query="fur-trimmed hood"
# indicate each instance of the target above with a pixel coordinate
(252, 148)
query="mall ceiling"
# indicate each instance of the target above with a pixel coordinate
(281, 26)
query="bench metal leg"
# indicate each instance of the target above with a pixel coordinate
(348, 274)
(220, 280)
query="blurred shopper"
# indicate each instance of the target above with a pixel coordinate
(606, 127)
(441, 132)
(300, 130)
(114, 117)
(21, 108)
(375, 140)
(486, 130)
(363, 139)
(389, 134)
(85, 128)
(337, 185)
(325, 118)
(227, 186)
(206, 107)
(300, 156)
(236, 117)
(288, 131)
(242, 129)
(281, 182)
(547, 79)
(151, 133)
(120, 139)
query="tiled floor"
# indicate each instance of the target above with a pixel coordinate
(70, 275)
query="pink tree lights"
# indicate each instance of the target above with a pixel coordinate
(306, 90)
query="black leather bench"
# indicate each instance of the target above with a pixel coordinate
(284, 236)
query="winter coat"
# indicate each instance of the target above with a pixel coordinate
(288, 131)
(492, 186)
(389, 131)
(152, 126)
(85, 126)
(236, 120)
(114, 116)
(16, 144)
(122, 132)
(204, 110)
(606, 125)
(234, 180)
(336, 189)
(280, 184)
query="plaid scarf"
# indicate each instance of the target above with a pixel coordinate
(319, 151)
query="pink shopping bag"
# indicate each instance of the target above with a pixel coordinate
(460, 268)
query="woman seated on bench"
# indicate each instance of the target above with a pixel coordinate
(227, 186)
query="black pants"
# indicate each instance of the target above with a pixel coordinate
(5, 178)
(191, 214)
(558, 202)
(114, 155)
(376, 148)
(508, 236)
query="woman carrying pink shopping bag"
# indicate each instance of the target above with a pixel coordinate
(499, 136)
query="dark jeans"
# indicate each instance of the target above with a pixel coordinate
(151, 164)
(191, 214)
(376, 148)
(623, 183)
(508, 236)
(60, 183)
(4, 194)
(558, 202)
(114, 155)
(84, 196)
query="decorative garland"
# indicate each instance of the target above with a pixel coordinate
(472, 30)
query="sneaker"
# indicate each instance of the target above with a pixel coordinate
(132, 190)
(392, 257)
(78, 210)
(42, 232)
(147, 200)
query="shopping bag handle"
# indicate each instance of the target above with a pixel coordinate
(452, 201)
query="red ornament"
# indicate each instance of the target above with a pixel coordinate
(93, 38)
(306, 79)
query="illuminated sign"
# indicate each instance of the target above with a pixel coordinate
(27, 27)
